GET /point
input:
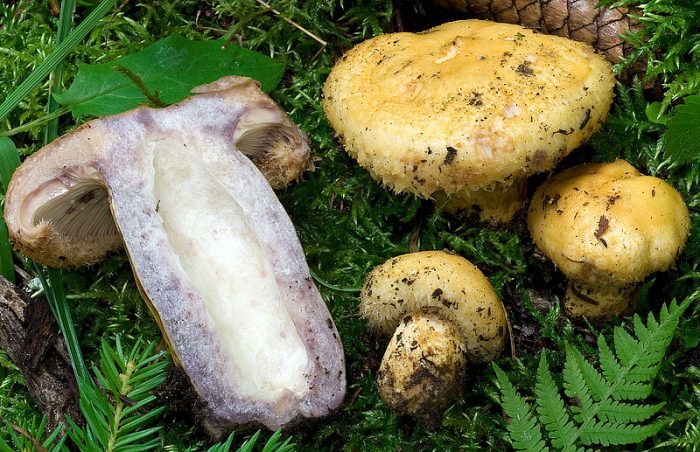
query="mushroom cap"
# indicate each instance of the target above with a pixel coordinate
(605, 223)
(446, 285)
(466, 104)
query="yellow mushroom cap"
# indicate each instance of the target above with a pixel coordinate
(466, 104)
(442, 284)
(605, 223)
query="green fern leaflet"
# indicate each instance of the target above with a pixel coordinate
(603, 407)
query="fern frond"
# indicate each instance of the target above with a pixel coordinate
(603, 411)
(597, 385)
(575, 387)
(614, 434)
(550, 406)
(614, 411)
(525, 433)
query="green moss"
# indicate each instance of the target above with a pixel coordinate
(348, 223)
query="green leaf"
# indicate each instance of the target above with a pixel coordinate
(607, 434)
(9, 161)
(598, 399)
(682, 138)
(655, 112)
(163, 72)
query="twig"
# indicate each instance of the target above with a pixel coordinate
(513, 355)
(37, 445)
(153, 98)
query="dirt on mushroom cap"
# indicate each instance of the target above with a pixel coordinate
(465, 104)
(443, 284)
(608, 224)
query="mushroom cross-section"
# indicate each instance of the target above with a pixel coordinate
(442, 313)
(214, 253)
(466, 109)
(607, 227)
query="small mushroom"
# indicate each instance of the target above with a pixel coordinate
(443, 314)
(213, 251)
(607, 227)
(467, 110)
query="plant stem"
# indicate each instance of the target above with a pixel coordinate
(55, 58)
(327, 285)
(124, 389)
(65, 21)
(37, 122)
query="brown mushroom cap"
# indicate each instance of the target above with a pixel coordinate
(605, 223)
(446, 285)
(465, 105)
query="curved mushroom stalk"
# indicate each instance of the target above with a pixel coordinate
(443, 313)
(213, 250)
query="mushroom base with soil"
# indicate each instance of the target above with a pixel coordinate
(443, 314)
(423, 367)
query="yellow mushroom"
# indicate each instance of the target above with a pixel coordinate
(607, 227)
(442, 313)
(467, 109)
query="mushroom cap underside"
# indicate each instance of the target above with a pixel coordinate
(466, 104)
(605, 223)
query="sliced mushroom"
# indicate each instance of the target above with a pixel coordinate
(213, 250)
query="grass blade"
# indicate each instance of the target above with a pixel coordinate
(55, 58)
(65, 20)
(53, 287)
(9, 161)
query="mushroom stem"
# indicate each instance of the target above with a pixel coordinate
(590, 300)
(496, 205)
(423, 367)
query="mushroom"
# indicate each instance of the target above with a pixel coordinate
(213, 251)
(467, 109)
(607, 227)
(443, 314)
